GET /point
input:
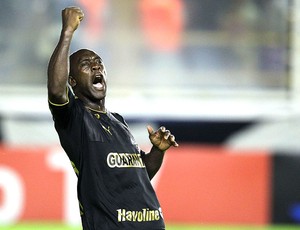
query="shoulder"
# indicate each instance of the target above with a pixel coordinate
(63, 113)
(118, 117)
(67, 104)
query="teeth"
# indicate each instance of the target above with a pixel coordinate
(98, 85)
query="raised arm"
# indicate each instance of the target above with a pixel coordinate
(58, 67)
(162, 139)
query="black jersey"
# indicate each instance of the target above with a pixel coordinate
(114, 190)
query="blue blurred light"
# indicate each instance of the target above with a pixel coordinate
(294, 212)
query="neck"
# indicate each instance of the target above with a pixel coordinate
(96, 110)
(98, 107)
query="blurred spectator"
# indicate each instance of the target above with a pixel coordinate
(162, 23)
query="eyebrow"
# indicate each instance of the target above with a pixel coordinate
(82, 59)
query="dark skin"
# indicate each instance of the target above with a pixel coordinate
(87, 77)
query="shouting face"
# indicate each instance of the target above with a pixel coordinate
(87, 75)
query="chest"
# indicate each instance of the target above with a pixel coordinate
(106, 129)
(110, 147)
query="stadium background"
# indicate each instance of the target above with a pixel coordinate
(222, 75)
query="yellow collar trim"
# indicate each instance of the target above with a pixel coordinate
(95, 110)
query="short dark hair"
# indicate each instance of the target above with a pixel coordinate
(73, 57)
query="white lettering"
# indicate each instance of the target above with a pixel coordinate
(58, 160)
(140, 216)
(13, 200)
(125, 160)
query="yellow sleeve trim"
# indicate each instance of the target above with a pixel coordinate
(67, 102)
(75, 169)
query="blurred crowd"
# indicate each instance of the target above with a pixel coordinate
(190, 43)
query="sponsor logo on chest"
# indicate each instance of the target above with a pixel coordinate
(125, 160)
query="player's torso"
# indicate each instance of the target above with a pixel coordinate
(113, 176)
(110, 150)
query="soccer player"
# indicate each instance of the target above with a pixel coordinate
(114, 189)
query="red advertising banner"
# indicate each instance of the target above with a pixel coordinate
(195, 184)
(36, 184)
(215, 185)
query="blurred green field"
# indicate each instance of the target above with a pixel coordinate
(59, 226)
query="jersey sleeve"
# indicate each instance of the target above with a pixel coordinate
(61, 113)
(67, 121)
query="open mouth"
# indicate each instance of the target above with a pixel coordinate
(98, 82)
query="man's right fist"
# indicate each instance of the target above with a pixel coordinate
(71, 18)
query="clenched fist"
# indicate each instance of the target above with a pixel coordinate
(71, 18)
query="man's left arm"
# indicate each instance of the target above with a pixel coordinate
(162, 140)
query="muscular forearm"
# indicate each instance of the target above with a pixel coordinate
(58, 69)
(153, 161)
(58, 64)
(162, 139)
